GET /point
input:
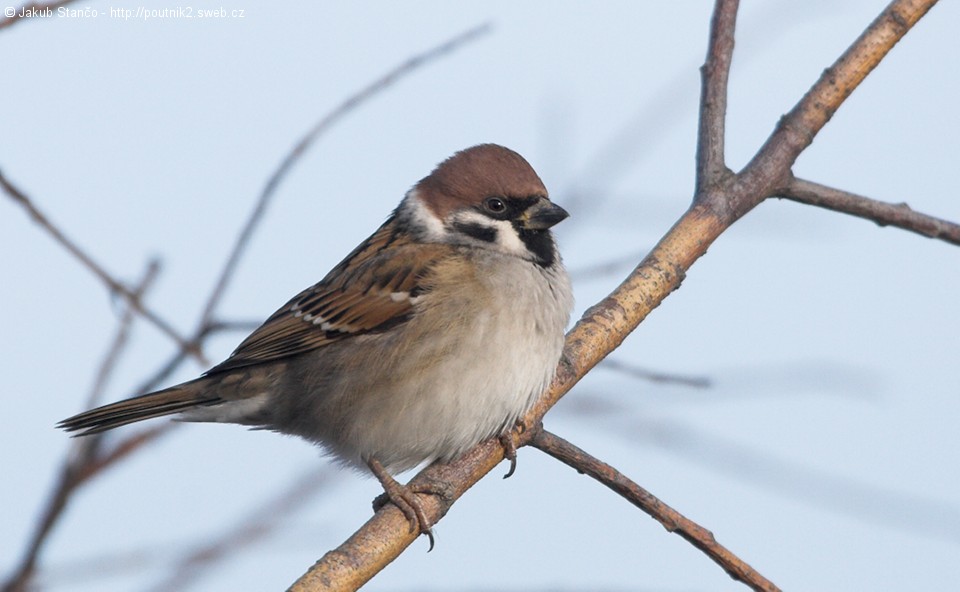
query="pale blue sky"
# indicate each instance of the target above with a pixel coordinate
(826, 452)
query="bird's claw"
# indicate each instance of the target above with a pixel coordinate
(405, 499)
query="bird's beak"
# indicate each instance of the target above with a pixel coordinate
(543, 215)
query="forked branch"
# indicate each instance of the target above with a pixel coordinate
(770, 168)
(722, 198)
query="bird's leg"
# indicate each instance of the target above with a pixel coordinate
(403, 498)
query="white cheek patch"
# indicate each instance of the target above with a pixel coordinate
(507, 241)
(472, 217)
(424, 219)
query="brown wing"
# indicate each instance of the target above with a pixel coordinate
(373, 289)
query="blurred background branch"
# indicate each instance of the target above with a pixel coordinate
(114, 285)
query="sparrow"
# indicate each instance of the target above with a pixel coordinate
(436, 333)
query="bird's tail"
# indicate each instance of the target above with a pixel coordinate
(166, 402)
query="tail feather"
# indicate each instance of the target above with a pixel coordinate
(165, 402)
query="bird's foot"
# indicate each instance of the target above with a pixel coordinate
(406, 499)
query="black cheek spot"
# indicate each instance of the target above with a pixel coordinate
(480, 232)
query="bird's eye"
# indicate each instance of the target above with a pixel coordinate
(494, 205)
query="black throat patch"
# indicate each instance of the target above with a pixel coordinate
(539, 243)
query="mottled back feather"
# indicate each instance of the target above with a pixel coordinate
(373, 289)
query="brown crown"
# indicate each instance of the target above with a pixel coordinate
(471, 175)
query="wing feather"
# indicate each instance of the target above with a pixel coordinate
(374, 288)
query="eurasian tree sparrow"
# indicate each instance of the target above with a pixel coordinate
(437, 332)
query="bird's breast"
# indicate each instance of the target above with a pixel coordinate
(483, 343)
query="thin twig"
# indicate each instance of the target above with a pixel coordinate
(249, 530)
(605, 268)
(121, 450)
(130, 444)
(798, 480)
(715, 74)
(639, 136)
(98, 270)
(654, 376)
(350, 104)
(87, 459)
(31, 8)
(884, 214)
(120, 339)
(769, 170)
(672, 520)
(83, 451)
(233, 326)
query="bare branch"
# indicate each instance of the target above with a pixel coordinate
(98, 270)
(119, 451)
(672, 520)
(248, 531)
(387, 534)
(605, 268)
(120, 339)
(884, 214)
(701, 382)
(233, 326)
(31, 7)
(319, 128)
(77, 466)
(715, 73)
(770, 167)
(76, 471)
(809, 485)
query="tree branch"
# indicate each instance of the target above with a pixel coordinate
(672, 520)
(121, 338)
(701, 382)
(252, 528)
(715, 73)
(884, 214)
(31, 6)
(83, 453)
(98, 270)
(769, 169)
